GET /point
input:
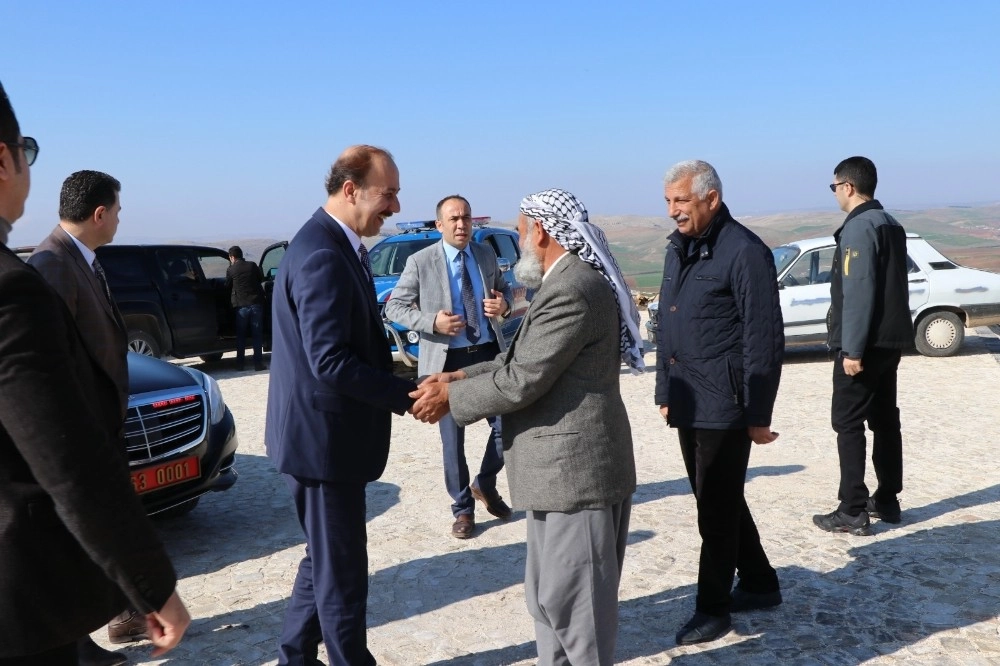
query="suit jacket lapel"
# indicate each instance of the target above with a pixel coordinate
(350, 254)
(90, 278)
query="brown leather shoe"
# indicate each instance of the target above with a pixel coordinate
(493, 502)
(90, 653)
(464, 526)
(127, 627)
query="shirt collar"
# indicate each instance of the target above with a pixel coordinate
(451, 252)
(88, 254)
(352, 237)
(554, 264)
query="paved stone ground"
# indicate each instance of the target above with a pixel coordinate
(923, 592)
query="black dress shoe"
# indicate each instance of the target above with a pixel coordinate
(838, 521)
(92, 654)
(887, 512)
(493, 501)
(703, 628)
(749, 601)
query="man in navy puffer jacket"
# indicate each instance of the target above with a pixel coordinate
(718, 364)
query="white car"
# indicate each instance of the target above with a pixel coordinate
(945, 298)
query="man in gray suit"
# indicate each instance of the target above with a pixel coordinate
(454, 295)
(566, 433)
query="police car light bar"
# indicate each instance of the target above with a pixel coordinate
(413, 226)
(481, 221)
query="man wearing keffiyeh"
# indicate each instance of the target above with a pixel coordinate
(567, 440)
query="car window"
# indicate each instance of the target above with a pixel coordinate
(123, 267)
(506, 247)
(783, 256)
(269, 262)
(390, 258)
(175, 266)
(810, 268)
(911, 266)
(212, 265)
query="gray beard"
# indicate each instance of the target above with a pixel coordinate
(528, 270)
(4, 230)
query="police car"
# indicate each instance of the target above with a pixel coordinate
(388, 258)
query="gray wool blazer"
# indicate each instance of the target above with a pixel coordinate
(424, 289)
(566, 434)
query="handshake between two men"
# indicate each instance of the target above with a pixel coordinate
(431, 396)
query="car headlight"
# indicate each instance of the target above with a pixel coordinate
(216, 404)
(412, 337)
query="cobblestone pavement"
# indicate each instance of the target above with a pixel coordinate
(923, 592)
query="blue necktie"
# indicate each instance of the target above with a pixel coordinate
(468, 301)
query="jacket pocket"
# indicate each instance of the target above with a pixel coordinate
(735, 381)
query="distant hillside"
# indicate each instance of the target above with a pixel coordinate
(968, 235)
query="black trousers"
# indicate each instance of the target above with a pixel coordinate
(868, 396)
(716, 462)
(64, 655)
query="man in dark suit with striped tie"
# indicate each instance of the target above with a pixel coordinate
(330, 404)
(89, 208)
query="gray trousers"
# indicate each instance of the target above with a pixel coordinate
(571, 582)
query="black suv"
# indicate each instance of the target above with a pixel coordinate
(173, 298)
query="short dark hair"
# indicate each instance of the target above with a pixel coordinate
(10, 131)
(236, 252)
(859, 172)
(354, 165)
(437, 210)
(83, 192)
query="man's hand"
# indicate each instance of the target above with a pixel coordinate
(664, 411)
(167, 625)
(494, 307)
(446, 323)
(762, 434)
(445, 377)
(852, 366)
(431, 401)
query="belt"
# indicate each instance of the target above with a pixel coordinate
(472, 349)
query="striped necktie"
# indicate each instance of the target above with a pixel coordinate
(103, 279)
(468, 300)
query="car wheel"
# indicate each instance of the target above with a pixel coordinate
(939, 334)
(211, 358)
(143, 343)
(179, 510)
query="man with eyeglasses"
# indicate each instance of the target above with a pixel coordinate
(75, 543)
(869, 326)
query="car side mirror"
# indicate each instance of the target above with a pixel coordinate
(504, 264)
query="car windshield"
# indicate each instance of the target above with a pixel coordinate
(783, 256)
(390, 258)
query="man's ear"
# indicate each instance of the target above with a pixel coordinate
(350, 190)
(713, 199)
(98, 215)
(6, 162)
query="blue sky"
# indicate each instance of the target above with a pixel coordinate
(222, 118)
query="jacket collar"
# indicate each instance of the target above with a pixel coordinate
(702, 245)
(866, 206)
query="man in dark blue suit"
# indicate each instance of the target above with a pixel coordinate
(329, 405)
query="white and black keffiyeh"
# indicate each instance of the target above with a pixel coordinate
(564, 218)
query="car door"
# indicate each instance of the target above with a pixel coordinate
(506, 247)
(190, 300)
(919, 285)
(270, 260)
(804, 291)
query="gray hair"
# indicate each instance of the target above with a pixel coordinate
(705, 178)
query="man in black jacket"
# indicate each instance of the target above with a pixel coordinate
(870, 324)
(718, 363)
(75, 542)
(243, 280)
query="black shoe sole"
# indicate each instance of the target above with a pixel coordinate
(865, 530)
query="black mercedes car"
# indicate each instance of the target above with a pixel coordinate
(180, 436)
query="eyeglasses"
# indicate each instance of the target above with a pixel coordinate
(29, 146)
(834, 186)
